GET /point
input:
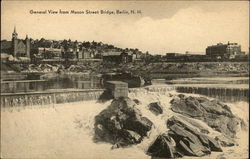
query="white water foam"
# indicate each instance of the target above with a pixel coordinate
(66, 130)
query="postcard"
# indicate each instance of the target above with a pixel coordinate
(124, 79)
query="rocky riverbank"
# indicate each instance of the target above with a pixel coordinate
(146, 70)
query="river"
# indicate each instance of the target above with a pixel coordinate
(66, 130)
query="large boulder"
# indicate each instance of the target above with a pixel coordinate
(187, 106)
(216, 107)
(189, 139)
(187, 143)
(226, 125)
(195, 123)
(183, 139)
(155, 108)
(163, 147)
(141, 125)
(212, 112)
(121, 123)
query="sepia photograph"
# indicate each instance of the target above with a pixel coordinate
(124, 79)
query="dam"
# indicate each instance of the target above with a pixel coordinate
(223, 93)
(50, 97)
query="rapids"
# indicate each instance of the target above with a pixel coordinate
(66, 130)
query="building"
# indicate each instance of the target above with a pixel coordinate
(187, 57)
(224, 51)
(85, 54)
(172, 55)
(117, 57)
(49, 53)
(16, 47)
(117, 88)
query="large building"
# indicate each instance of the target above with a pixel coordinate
(224, 51)
(16, 47)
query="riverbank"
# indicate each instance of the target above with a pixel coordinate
(164, 70)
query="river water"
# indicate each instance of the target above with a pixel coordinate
(66, 130)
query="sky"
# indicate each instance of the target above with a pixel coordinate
(161, 27)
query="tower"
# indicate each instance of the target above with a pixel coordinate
(27, 48)
(76, 49)
(14, 34)
(14, 42)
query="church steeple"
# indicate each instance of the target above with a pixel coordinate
(14, 34)
(14, 42)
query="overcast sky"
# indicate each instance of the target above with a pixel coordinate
(162, 27)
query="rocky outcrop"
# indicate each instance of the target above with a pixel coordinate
(188, 135)
(163, 147)
(226, 141)
(188, 106)
(194, 123)
(214, 113)
(182, 139)
(121, 124)
(155, 108)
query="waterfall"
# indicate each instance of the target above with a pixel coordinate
(223, 94)
(66, 130)
(28, 99)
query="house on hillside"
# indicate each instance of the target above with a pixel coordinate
(49, 53)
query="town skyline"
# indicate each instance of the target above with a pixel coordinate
(156, 33)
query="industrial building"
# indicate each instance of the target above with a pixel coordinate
(224, 51)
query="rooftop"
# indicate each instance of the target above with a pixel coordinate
(112, 54)
(117, 83)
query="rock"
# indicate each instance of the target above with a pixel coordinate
(121, 123)
(137, 101)
(187, 106)
(187, 142)
(184, 149)
(126, 138)
(187, 125)
(163, 147)
(213, 144)
(215, 107)
(212, 112)
(189, 139)
(141, 125)
(226, 125)
(225, 141)
(195, 123)
(102, 134)
(135, 137)
(155, 108)
(181, 96)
